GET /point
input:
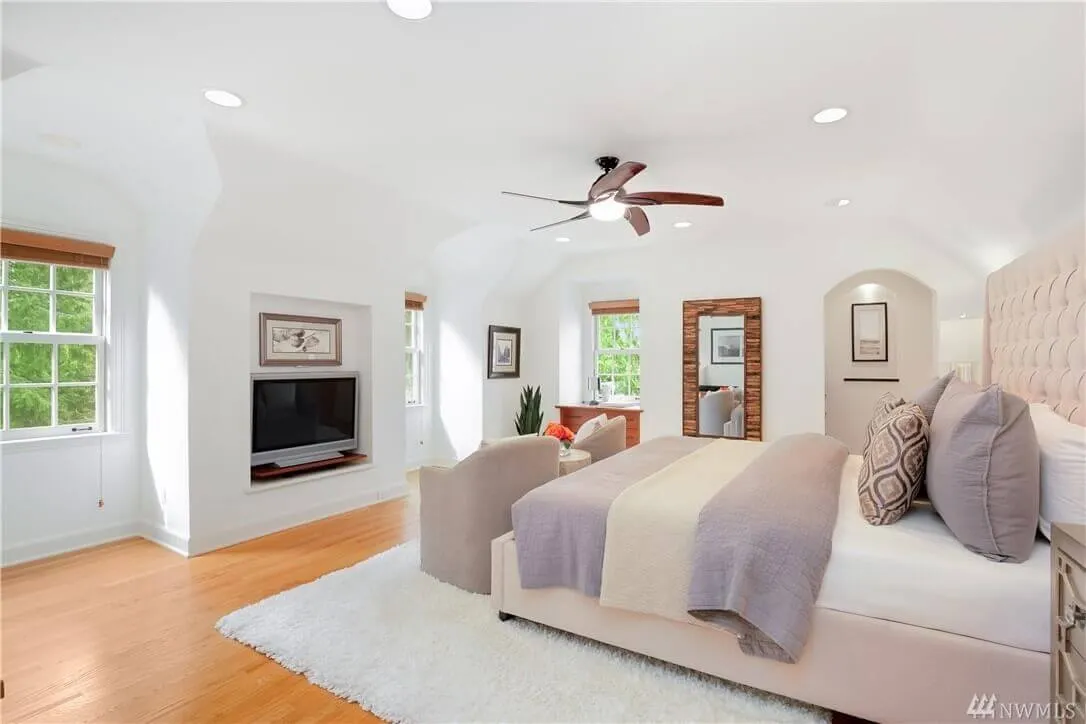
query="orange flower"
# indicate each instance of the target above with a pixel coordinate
(563, 433)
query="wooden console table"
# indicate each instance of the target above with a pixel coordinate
(265, 473)
(573, 416)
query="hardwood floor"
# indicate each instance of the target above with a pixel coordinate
(125, 632)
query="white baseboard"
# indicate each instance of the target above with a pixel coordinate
(47, 547)
(158, 534)
(215, 540)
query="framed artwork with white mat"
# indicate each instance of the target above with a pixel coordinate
(292, 340)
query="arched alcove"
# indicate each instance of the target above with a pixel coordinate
(853, 383)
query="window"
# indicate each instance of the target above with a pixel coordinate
(51, 349)
(618, 353)
(413, 350)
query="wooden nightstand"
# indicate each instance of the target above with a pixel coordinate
(1068, 679)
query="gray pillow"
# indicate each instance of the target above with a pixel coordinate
(886, 404)
(928, 397)
(984, 470)
(926, 400)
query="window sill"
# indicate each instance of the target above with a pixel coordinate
(412, 405)
(57, 441)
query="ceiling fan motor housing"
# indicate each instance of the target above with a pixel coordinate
(607, 163)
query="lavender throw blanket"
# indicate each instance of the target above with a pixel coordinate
(763, 542)
(561, 526)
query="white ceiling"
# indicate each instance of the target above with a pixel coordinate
(965, 132)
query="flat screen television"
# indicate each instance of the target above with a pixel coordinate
(303, 417)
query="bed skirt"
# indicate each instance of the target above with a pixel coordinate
(870, 668)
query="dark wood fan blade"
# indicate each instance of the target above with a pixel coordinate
(638, 220)
(615, 179)
(659, 198)
(567, 202)
(578, 217)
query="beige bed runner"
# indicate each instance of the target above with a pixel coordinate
(735, 534)
(647, 568)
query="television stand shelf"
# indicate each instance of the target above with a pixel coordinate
(264, 473)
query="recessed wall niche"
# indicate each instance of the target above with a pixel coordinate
(357, 344)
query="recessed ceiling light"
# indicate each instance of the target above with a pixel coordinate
(961, 316)
(411, 9)
(830, 115)
(842, 202)
(226, 99)
(683, 224)
(562, 239)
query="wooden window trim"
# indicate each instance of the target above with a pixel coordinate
(20, 245)
(413, 300)
(616, 306)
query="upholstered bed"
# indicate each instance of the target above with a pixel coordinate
(908, 626)
(1035, 335)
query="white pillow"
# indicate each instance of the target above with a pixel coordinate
(1063, 468)
(589, 427)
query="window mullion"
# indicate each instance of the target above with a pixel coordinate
(6, 395)
(52, 299)
(56, 385)
(100, 417)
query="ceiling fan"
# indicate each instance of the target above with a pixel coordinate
(609, 201)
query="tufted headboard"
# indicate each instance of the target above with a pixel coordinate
(1035, 328)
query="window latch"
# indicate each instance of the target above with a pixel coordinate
(88, 428)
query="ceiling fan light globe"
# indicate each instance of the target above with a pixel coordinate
(607, 210)
(411, 9)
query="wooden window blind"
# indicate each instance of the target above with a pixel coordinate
(414, 301)
(31, 246)
(616, 306)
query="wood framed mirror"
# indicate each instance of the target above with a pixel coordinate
(722, 368)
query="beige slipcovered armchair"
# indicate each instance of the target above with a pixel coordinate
(607, 441)
(463, 508)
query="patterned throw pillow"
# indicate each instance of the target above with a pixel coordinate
(883, 407)
(893, 466)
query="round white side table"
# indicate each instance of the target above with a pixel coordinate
(575, 460)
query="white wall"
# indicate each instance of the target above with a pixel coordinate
(49, 490)
(418, 434)
(911, 327)
(155, 156)
(961, 341)
(470, 274)
(175, 464)
(300, 233)
(791, 275)
(457, 424)
(501, 397)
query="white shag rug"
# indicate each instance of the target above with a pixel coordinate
(412, 649)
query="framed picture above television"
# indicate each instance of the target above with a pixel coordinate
(292, 340)
(870, 334)
(502, 352)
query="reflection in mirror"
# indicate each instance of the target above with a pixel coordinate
(720, 376)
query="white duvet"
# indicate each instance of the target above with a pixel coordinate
(916, 572)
